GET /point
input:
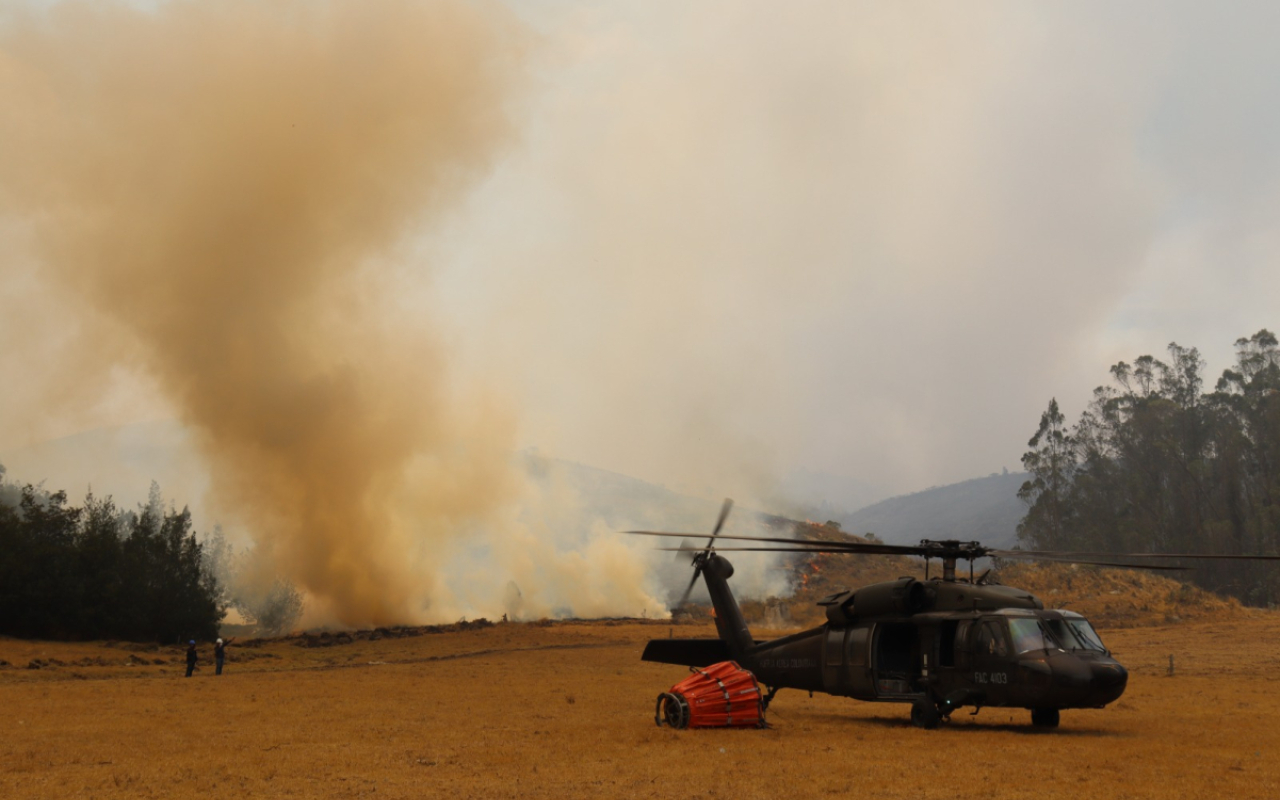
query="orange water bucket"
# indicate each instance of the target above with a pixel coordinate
(722, 695)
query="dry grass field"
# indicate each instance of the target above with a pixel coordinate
(566, 710)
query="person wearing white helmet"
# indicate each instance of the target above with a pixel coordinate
(220, 653)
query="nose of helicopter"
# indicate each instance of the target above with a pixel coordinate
(1070, 673)
(1087, 683)
(1109, 681)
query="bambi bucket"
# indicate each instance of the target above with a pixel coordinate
(722, 695)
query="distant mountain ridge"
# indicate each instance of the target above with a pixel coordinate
(119, 462)
(982, 509)
(621, 500)
(123, 461)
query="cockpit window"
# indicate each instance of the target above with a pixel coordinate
(1075, 634)
(1027, 635)
(1088, 637)
(1062, 632)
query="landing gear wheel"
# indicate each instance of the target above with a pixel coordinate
(924, 714)
(1044, 717)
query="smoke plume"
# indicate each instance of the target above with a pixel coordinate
(862, 239)
(228, 187)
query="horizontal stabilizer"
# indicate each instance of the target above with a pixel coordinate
(687, 652)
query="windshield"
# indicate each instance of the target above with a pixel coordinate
(1088, 637)
(1027, 635)
(1075, 634)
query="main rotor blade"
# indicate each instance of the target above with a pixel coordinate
(724, 514)
(853, 548)
(687, 546)
(1119, 564)
(1091, 563)
(856, 547)
(1051, 554)
(725, 536)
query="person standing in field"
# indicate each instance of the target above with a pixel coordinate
(220, 653)
(192, 655)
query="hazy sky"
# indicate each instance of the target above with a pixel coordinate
(871, 239)
(725, 242)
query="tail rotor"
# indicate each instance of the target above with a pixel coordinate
(700, 559)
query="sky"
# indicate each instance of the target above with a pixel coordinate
(865, 239)
(713, 245)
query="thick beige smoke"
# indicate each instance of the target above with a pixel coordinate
(225, 184)
(868, 238)
(871, 239)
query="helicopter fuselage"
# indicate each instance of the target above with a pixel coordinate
(940, 644)
(956, 658)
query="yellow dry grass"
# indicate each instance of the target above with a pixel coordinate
(566, 711)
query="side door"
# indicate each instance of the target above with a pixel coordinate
(846, 666)
(857, 663)
(963, 651)
(991, 659)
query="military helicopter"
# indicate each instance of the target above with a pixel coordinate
(939, 644)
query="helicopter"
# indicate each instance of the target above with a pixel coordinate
(938, 644)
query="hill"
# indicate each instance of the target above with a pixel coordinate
(983, 509)
(122, 462)
(1113, 598)
(575, 501)
(116, 462)
(620, 501)
(1121, 598)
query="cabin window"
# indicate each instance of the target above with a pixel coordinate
(947, 644)
(1027, 635)
(990, 641)
(894, 645)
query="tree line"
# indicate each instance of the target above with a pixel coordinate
(98, 572)
(1157, 464)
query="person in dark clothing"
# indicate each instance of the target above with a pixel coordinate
(220, 653)
(191, 657)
